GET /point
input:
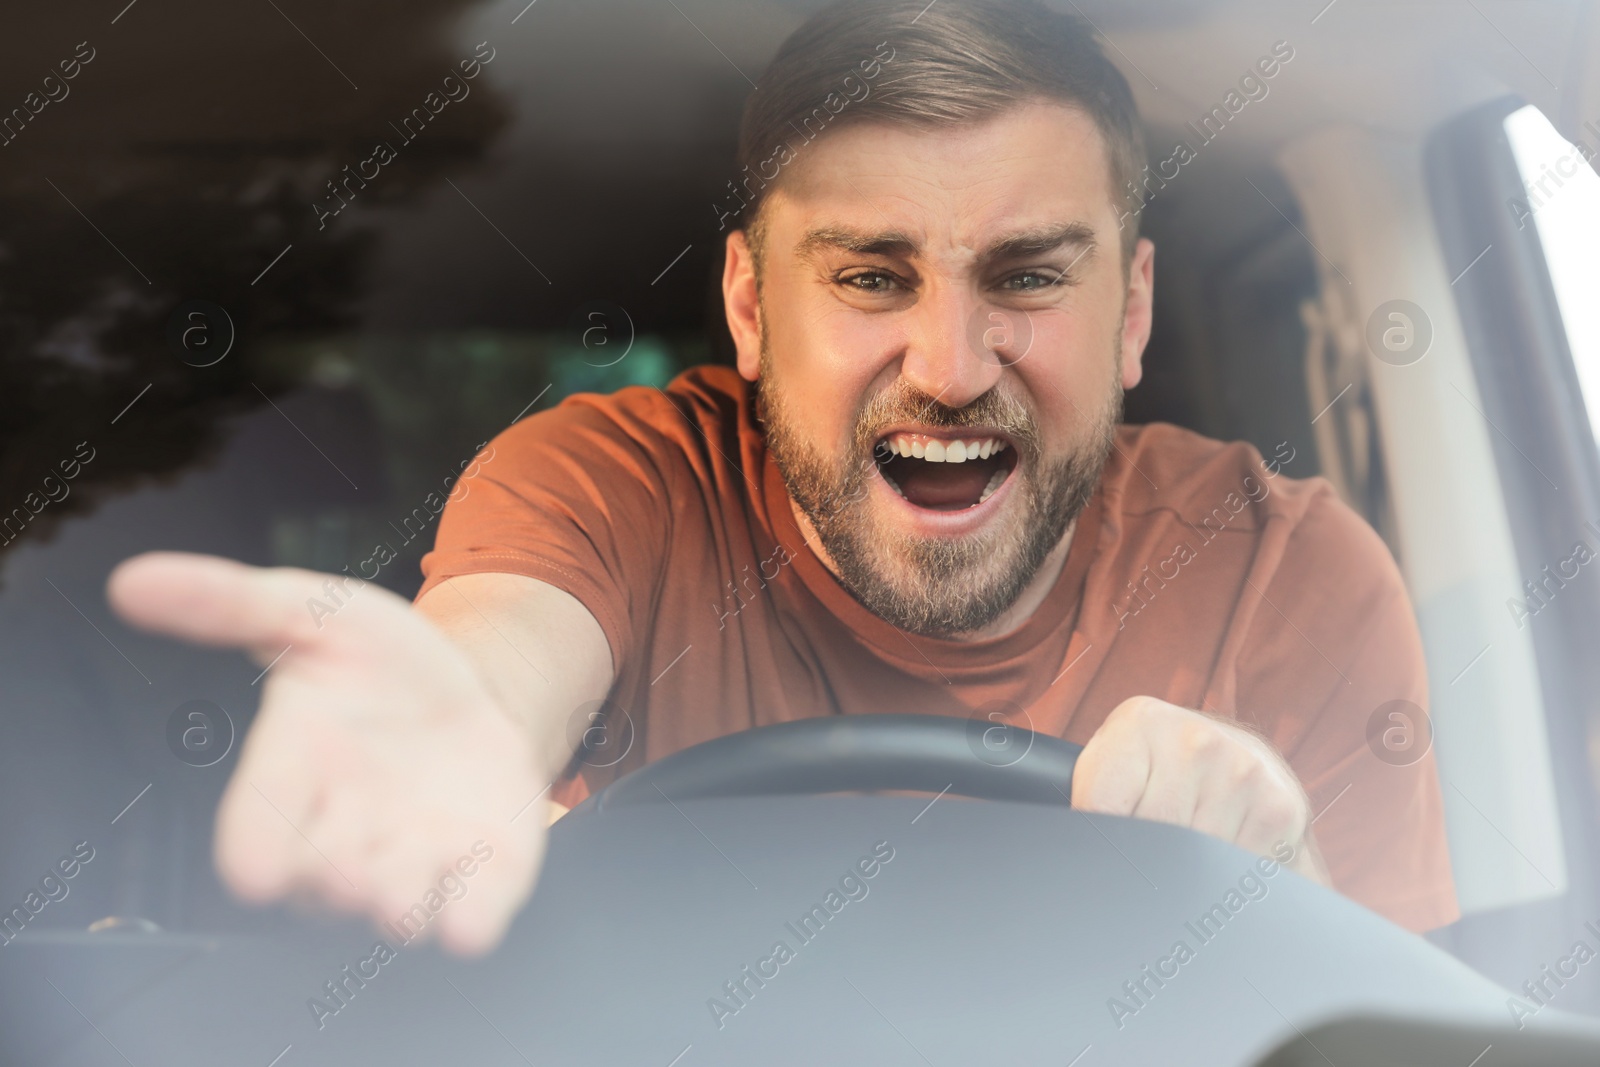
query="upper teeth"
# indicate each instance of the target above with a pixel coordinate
(935, 450)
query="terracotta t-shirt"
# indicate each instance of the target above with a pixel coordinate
(1199, 573)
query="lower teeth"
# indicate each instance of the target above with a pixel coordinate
(994, 483)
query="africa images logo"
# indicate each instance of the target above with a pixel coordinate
(453, 88)
(1252, 87)
(52, 889)
(1140, 990)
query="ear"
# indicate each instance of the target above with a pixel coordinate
(740, 301)
(1136, 316)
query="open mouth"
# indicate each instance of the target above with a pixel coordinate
(944, 473)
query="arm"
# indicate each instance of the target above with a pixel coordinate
(393, 744)
(537, 648)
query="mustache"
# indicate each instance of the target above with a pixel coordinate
(903, 403)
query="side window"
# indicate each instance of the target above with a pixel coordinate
(1562, 201)
(1517, 216)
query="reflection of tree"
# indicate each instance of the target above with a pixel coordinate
(200, 171)
(432, 399)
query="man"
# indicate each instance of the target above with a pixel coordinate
(912, 495)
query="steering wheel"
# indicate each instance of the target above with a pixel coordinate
(760, 923)
(979, 758)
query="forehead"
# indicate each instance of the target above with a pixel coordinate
(959, 183)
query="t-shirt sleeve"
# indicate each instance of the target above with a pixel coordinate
(1333, 672)
(579, 496)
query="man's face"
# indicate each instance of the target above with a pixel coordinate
(943, 330)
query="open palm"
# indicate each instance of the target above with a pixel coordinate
(381, 775)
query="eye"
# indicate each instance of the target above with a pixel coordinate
(1032, 281)
(870, 281)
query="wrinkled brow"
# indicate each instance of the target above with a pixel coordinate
(1039, 240)
(861, 242)
(1033, 241)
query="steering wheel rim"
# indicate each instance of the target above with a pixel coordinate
(929, 753)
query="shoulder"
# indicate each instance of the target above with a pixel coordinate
(1293, 535)
(662, 428)
(1288, 530)
(1159, 469)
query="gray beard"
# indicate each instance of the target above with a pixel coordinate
(938, 587)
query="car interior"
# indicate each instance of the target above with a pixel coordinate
(1382, 263)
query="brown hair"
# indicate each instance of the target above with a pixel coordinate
(955, 61)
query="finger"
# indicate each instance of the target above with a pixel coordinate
(215, 601)
(1111, 773)
(1276, 816)
(260, 852)
(1222, 807)
(211, 600)
(1276, 811)
(344, 833)
(1196, 772)
(406, 866)
(1171, 795)
(1192, 767)
(419, 906)
(481, 920)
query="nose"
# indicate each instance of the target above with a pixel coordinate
(947, 353)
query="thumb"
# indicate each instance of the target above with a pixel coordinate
(214, 601)
(1114, 767)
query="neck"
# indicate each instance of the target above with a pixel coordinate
(1021, 610)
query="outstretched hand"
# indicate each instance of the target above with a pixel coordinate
(380, 765)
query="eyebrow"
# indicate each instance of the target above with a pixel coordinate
(1042, 239)
(1032, 241)
(882, 243)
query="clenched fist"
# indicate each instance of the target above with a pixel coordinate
(1154, 760)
